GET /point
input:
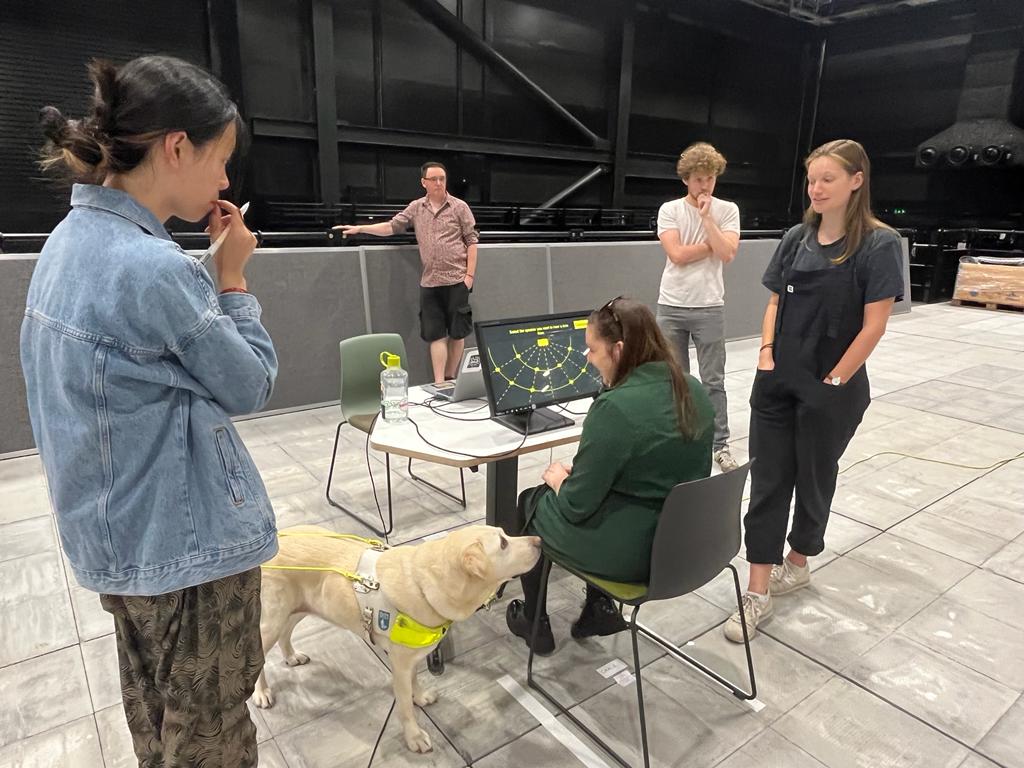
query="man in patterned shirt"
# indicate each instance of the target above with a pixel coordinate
(447, 238)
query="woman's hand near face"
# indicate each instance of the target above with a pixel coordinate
(237, 247)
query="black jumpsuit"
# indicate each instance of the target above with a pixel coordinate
(799, 425)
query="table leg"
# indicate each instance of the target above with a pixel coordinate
(502, 494)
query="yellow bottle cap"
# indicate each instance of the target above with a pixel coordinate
(389, 360)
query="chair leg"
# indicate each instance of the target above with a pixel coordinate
(681, 655)
(346, 510)
(462, 479)
(532, 683)
(639, 686)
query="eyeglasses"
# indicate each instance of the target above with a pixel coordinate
(435, 179)
(610, 308)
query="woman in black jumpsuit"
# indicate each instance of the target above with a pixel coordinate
(834, 280)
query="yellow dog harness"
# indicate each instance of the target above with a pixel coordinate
(379, 616)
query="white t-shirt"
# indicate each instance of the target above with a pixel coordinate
(698, 284)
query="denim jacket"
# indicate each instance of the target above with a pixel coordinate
(133, 365)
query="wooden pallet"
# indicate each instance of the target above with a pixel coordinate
(986, 305)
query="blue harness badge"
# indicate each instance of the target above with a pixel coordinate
(383, 620)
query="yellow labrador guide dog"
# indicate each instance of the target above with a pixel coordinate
(401, 598)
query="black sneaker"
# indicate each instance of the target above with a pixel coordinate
(521, 626)
(599, 618)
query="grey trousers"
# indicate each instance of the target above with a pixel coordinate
(706, 326)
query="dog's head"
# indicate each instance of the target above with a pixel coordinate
(488, 553)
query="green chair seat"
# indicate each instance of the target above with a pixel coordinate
(623, 591)
(363, 422)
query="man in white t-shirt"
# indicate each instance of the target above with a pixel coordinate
(699, 234)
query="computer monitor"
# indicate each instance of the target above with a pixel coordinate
(534, 362)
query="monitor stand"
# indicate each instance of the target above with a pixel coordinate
(532, 422)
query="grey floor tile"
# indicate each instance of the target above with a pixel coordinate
(1005, 742)
(913, 564)
(844, 726)
(345, 738)
(975, 640)
(537, 749)
(784, 677)
(848, 608)
(341, 670)
(843, 534)
(688, 722)
(770, 750)
(957, 700)
(35, 608)
(473, 709)
(24, 502)
(270, 755)
(73, 745)
(115, 738)
(27, 537)
(950, 537)
(90, 618)
(977, 761)
(995, 596)
(48, 690)
(101, 669)
(1009, 561)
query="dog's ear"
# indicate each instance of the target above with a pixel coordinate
(474, 560)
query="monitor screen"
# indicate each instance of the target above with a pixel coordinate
(532, 362)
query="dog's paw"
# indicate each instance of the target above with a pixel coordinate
(264, 699)
(424, 698)
(296, 660)
(417, 740)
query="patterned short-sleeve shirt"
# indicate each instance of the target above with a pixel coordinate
(444, 237)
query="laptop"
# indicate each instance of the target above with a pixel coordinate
(469, 380)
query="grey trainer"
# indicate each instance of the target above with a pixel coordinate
(725, 460)
(787, 578)
(755, 610)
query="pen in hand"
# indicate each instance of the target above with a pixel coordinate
(215, 246)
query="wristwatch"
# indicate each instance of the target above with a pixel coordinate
(835, 381)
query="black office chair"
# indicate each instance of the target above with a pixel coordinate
(698, 535)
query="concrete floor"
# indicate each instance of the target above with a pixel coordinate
(905, 651)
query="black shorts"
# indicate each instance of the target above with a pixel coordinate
(445, 312)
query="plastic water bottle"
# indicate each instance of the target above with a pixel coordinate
(394, 390)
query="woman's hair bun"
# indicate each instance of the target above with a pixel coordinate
(54, 124)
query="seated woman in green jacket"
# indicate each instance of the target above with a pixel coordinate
(650, 430)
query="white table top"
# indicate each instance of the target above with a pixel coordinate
(467, 432)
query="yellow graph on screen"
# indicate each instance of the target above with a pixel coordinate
(543, 366)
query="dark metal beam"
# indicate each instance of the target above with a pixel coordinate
(384, 137)
(326, 100)
(466, 37)
(625, 104)
(580, 182)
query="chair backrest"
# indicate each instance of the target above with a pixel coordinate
(360, 371)
(698, 533)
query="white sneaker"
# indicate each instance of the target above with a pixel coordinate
(787, 578)
(725, 460)
(756, 608)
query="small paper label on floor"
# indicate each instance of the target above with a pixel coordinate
(756, 704)
(624, 678)
(612, 668)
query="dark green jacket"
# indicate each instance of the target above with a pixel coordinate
(630, 456)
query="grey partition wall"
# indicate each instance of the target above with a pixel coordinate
(314, 297)
(15, 430)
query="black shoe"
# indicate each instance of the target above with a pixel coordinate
(599, 618)
(521, 626)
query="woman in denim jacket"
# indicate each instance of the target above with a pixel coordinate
(134, 360)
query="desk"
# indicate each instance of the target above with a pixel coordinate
(472, 439)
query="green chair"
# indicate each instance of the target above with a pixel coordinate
(360, 405)
(697, 536)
